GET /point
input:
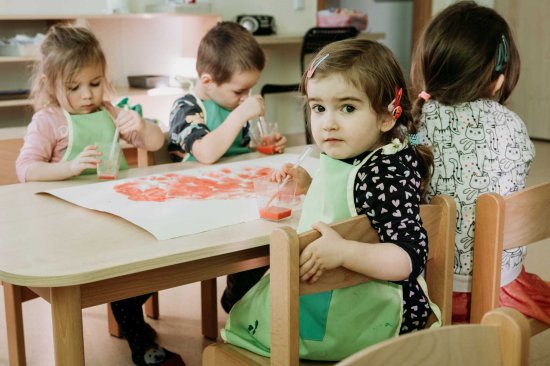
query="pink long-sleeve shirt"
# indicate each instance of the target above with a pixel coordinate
(47, 139)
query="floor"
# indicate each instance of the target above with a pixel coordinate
(179, 325)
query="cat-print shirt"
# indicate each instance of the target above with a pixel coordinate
(479, 147)
(386, 189)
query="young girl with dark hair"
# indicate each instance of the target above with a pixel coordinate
(466, 65)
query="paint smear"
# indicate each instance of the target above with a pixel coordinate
(222, 184)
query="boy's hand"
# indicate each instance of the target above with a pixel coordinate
(280, 142)
(322, 254)
(298, 174)
(126, 120)
(87, 159)
(252, 107)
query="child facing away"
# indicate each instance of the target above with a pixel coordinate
(360, 119)
(467, 65)
(69, 85)
(68, 91)
(211, 121)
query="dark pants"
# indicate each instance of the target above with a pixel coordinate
(129, 316)
(238, 284)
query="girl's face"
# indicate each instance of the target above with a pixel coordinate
(85, 91)
(343, 122)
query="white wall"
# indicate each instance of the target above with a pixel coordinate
(287, 19)
(394, 18)
(438, 5)
(47, 7)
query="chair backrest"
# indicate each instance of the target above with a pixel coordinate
(502, 338)
(439, 218)
(504, 223)
(317, 38)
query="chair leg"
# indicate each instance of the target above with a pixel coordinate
(152, 306)
(14, 324)
(114, 329)
(209, 309)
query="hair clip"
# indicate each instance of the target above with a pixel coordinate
(414, 139)
(502, 55)
(315, 65)
(394, 107)
(424, 95)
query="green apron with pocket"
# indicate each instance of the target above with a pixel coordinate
(214, 116)
(87, 129)
(333, 324)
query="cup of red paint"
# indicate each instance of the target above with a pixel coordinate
(263, 136)
(110, 160)
(275, 200)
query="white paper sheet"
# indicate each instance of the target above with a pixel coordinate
(182, 202)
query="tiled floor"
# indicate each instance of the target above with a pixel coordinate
(179, 325)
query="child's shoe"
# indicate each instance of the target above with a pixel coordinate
(158, 356)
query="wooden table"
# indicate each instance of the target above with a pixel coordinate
(76, 258)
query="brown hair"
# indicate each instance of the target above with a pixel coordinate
(457, 57)
(371, 67)
(226, 49)
(64, 52)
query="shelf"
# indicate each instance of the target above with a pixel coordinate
(15, 102)
(128, 92)
(18, 59)
(281, 39)
(12, 133)
(39, 17)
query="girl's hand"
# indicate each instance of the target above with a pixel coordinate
(322, 254)
(126, 120)
(280, 142)
(298, 174)
(87, 159)
(251, 107)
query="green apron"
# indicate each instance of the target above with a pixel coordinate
(332, 325)
(214, 116)
(87, 129)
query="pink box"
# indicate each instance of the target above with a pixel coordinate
(342, 18)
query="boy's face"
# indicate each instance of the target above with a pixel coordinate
(85, 92)
(230, 94)
(343, 122)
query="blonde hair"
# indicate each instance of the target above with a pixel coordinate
(65, 51)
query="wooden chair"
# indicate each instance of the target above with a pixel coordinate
(439, 219)
(502, 338)
(504, 223)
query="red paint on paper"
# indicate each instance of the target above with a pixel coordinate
(220, 184)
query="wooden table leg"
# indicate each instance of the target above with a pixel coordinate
(152, 306)
(13, 300)
(209, 309)
(68, 335)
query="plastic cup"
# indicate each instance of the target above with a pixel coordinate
(108, 168)
(275, 201)
(263, 136)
